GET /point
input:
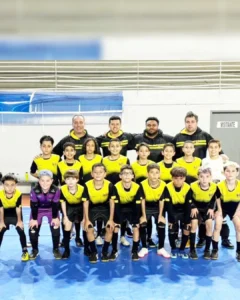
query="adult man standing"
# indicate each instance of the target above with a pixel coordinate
(200, 138)
(154, 137)
(77, 136)
(126, 139)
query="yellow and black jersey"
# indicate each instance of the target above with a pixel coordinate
(97, 196)
(41, 163)
(229, 199)
(87, 165)
(165, 170)
(125, 196)
(191, 167)
(63, 167)
(203, 199)
(10, 204)
(69, 198)
(113, 167)
(140, 171)
(126, 139)
(152, 195)
(200, 139)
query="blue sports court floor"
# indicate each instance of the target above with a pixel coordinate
(151, 278)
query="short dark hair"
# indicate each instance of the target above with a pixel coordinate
(84, 148)
(126, 167)
(69, 144)
(190, 114)
(178, 172)
(152, 119)
(71, 173)
(188, 142)
(99, 165)
(9, 177)
(153, 166)
(113, 118)
(76, 116)
(213, 141)
(46, 138)
(114, 140)
(168, 145)
(142, 145)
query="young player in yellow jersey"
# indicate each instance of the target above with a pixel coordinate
(178, 201)
(69, 163)
(167, 163)
(72, 207)
(11, 211)
(152, 193)
(96, 198)
(89, 158)
(228, 204)
(127, 207)
(189, 162)
(140, 174)
(47, 160)
(203, 202)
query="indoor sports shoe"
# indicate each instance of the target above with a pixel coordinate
(113, 256)
(57, 254)
(183, 254)
(207, 254)
(104, 257)
(135, 256)
(66, 254)
(33, 254)
(151, 243)
(163, 252)
(201, 243)
(124, 241)
(99, 241)
(79, 242)
(93, 258)
(226, 243)
(174, 253)
(214, 255)
(238, 256)
(129, 232)
(143, 252)
(193, 254)
(25, 256)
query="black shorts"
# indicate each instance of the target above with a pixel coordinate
(228, 213)
(152, 212)
(99, 213)
(179, 217)
(10, 220)
(202, 216)
(75, 212)
(127, 212)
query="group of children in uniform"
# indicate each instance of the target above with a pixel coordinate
(109, 190)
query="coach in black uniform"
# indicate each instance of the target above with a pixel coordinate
(77, 136)
(126, 139)
(154, 137)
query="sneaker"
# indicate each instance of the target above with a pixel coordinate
(188, 244)
(193, 254)
(87, 252)
(93, 258)
(201, 243)
(151, 244)
(226, 243)
(135, 256)
(183, 254)
(79, 242)
(174, 253)
(214, 254)
(238, 256)
(66, 254)
(124, 241)
(33, 254)
(143, 252)
(29, 244)
(113, 256)
(129, 232)
(99, 241)
(163, 252)
(104, 257)
(25, 256)
(57, 254)
(207, 254)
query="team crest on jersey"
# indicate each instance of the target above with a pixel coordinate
(238, 195)
(210, 195)
(105, 195)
